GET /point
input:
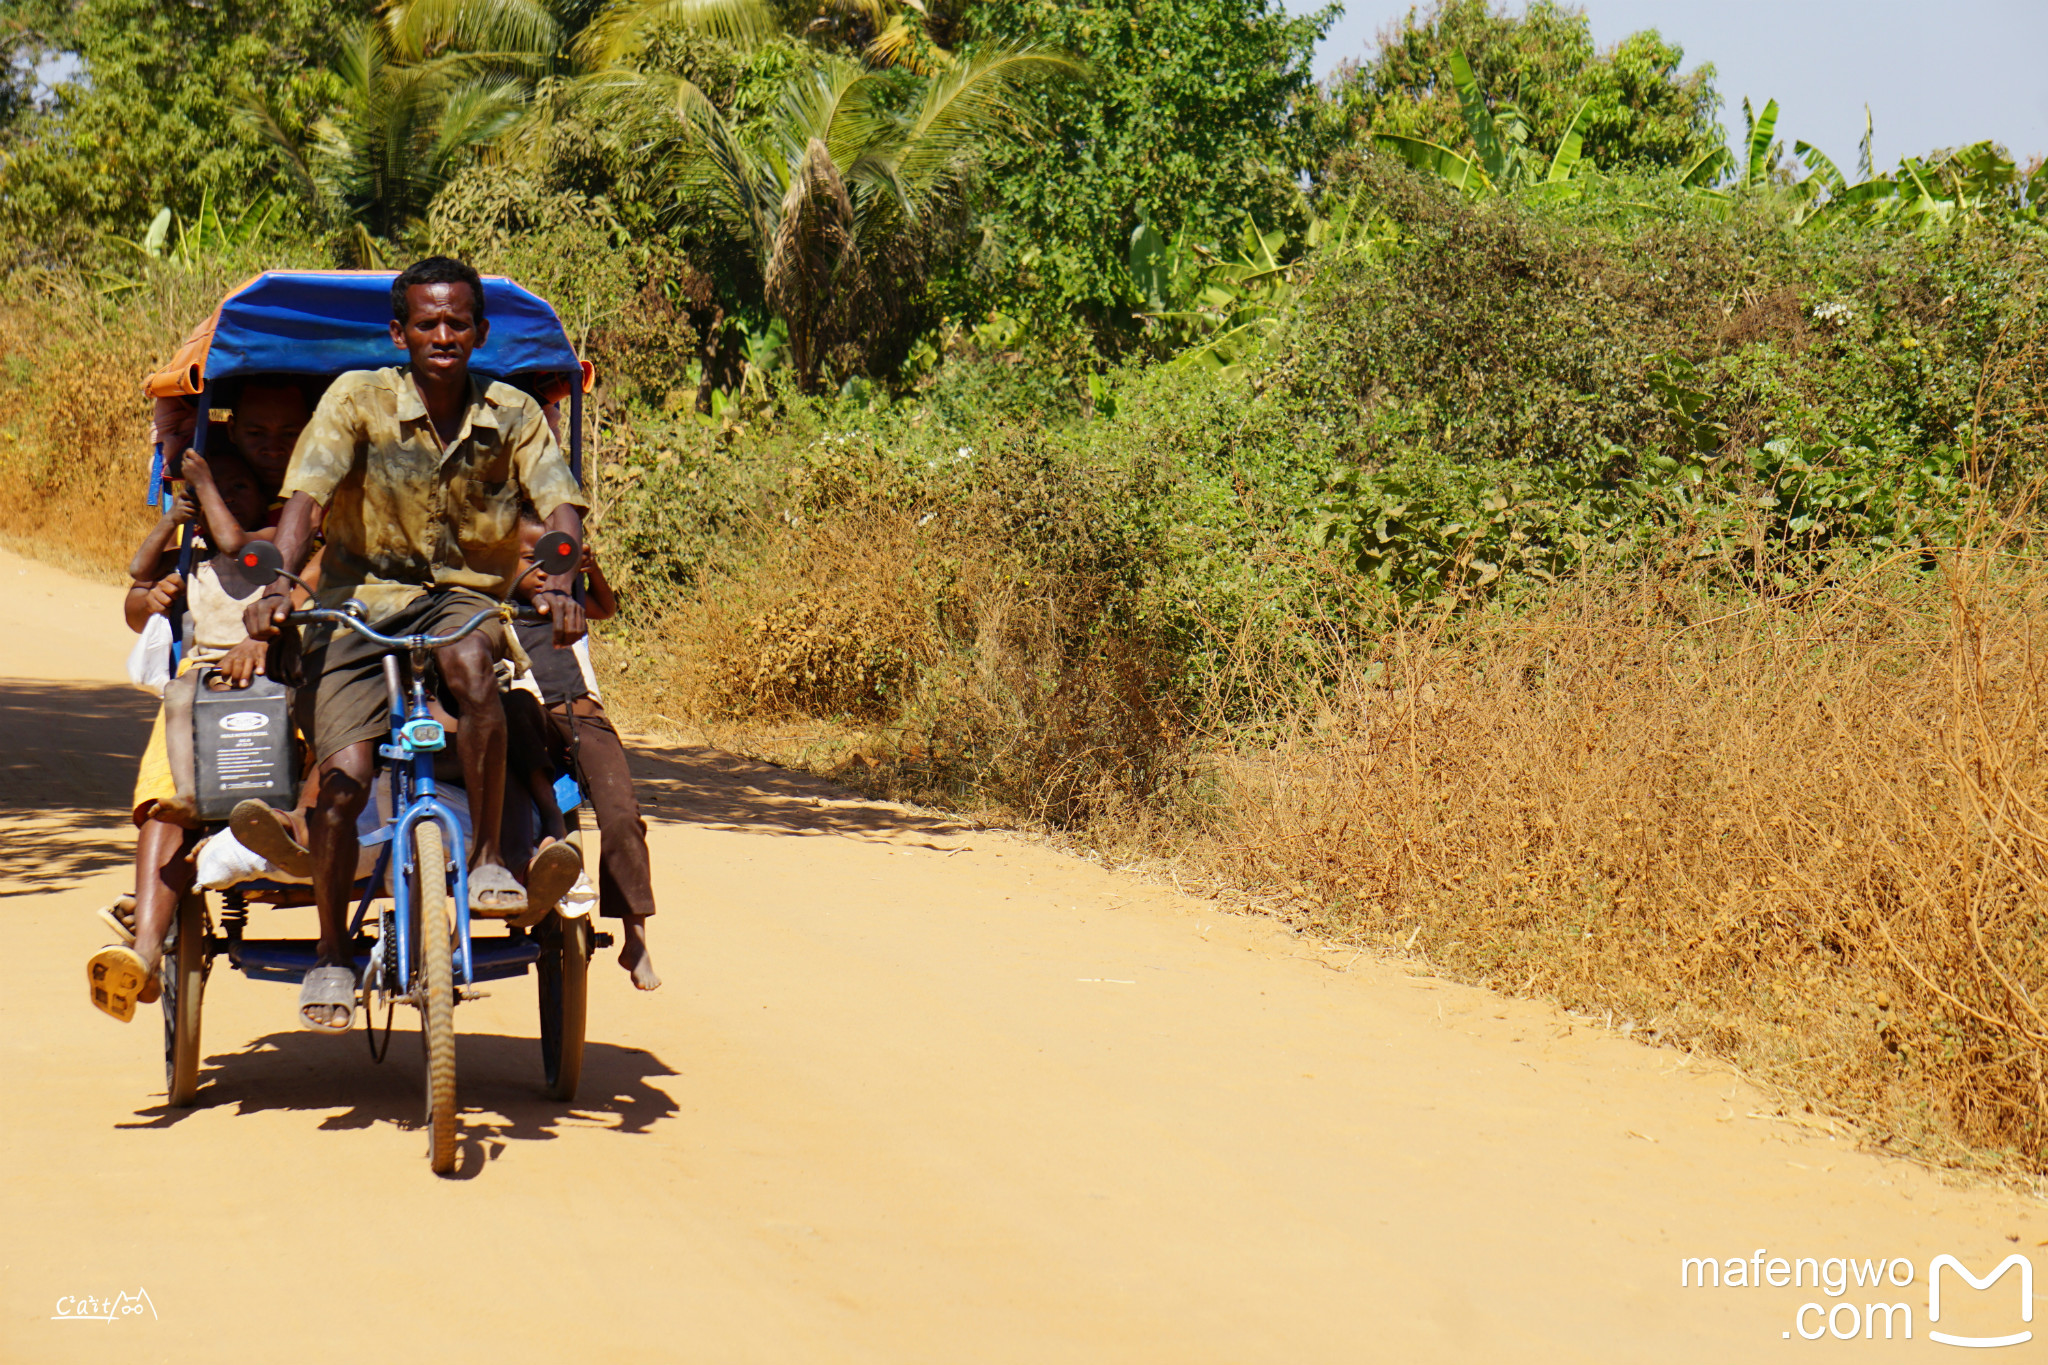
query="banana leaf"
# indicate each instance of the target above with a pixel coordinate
(1425, 155)
(1565, 163)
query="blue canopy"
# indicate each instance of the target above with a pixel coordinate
(322, 322)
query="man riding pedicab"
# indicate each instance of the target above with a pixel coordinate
(419, 470)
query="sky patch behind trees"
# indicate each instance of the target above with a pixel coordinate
(1933, 76)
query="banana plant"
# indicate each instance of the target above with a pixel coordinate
(1753, 167)
(1218, 309)
(201, 240)
(1970, 184)
(1501, 160)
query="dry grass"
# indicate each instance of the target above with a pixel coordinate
(1809, 836)
(923, 660)
(74, 424)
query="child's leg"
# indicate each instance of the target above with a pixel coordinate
(625, 878)
(162, 875)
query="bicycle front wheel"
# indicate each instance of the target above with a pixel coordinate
(434, 991)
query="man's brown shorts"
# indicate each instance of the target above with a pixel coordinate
(350, 703)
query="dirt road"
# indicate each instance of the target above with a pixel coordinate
(910, 1094)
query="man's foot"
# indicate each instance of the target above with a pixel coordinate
(494, 892)
(119, 979)
(263, 832)
(633, 954)
(327, 999)
(548, 878)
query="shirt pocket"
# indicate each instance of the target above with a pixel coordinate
(490, 512)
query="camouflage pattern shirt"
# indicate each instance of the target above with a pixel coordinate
(405, 513)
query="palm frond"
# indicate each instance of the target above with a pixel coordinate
(473, 116)
(973, 102)
(256, 112)
(814, 248)
(524, 31)
(621, 29)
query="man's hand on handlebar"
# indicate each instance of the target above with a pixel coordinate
(241, 664)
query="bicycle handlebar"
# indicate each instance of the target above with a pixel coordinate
(330, 616)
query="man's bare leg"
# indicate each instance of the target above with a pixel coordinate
(331, 834)
(467, 668)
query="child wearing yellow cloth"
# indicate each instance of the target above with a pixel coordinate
(233, 505)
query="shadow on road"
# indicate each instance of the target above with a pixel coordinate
(500, 1088)
(68, 753)
(693, 784)
(67, 771)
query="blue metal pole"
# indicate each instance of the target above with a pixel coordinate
(186, 549)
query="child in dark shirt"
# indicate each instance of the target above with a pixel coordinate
(586, 744)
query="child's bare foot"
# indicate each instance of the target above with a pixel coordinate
(633, 954)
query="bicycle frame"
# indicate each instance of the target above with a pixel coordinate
(409, 767)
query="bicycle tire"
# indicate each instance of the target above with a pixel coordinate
(564, 972)
(181, 977)
(436, 993)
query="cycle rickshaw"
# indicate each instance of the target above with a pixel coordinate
(411, 933)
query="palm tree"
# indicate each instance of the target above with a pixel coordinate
(834, 201)
(836, 198)
(425, 85)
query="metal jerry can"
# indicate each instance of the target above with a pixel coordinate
(243, 747)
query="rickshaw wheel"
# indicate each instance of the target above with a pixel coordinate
(181, 977)
(564, 971)
(437, 982)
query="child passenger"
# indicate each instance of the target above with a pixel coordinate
(585, 743)
(231, 504)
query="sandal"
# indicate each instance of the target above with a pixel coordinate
(325, 990)
(120, 917)
(264, 833)
(119, 979)
(494, 893)
(548, 878)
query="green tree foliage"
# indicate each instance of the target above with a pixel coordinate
(150, 119)
(420, 89)
(1640, 109)
(1191, 122)
(839, 194)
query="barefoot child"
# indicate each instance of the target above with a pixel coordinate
(590, 747)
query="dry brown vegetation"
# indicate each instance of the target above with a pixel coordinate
(74, 425)
(1806, 836)
(1803, 829)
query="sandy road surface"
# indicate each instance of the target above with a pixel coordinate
(911, 1094)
